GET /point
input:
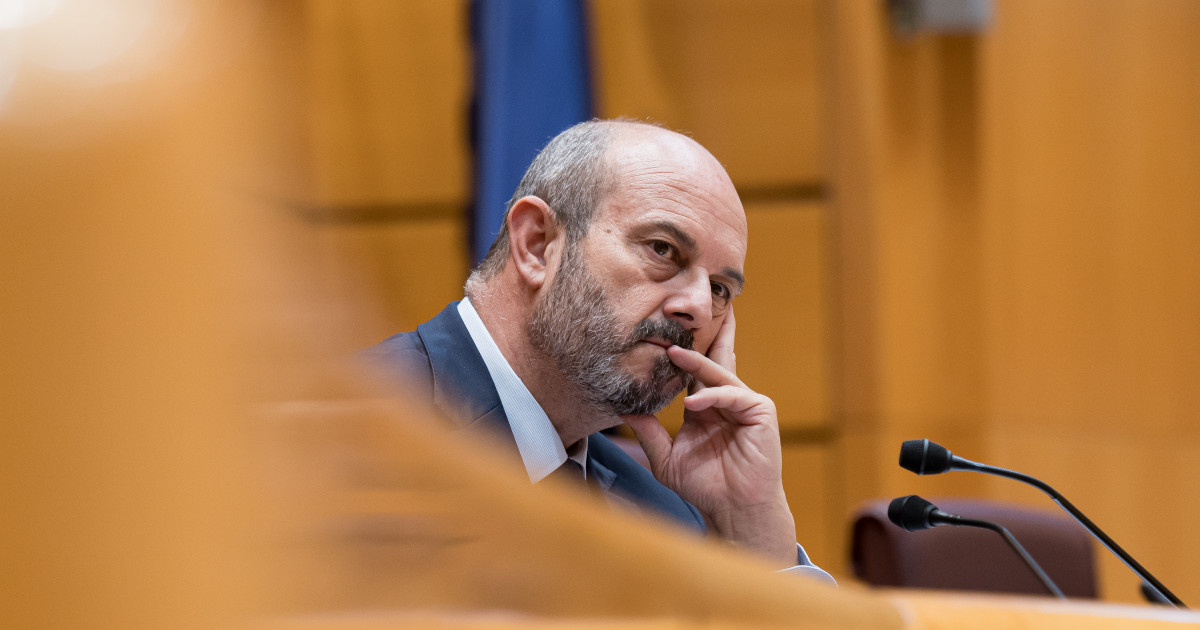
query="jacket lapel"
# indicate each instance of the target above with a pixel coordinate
(462, 386)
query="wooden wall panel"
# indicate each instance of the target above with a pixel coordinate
(810, 478)
(782, 341)
(407, 271)
(743, 77)
(390, 88)
(1099, 275)
(904, 255)
(1016, 274)
(1093, 282)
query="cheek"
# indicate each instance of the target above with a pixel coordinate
(704, 338)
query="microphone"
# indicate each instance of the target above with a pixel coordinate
(912, 513)
(928, 458)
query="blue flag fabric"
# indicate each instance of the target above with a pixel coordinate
(531, 82)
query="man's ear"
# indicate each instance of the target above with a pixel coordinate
(535, 239)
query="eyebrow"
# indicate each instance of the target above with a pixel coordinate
(690, 243)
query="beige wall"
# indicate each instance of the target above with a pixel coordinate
(984, 240)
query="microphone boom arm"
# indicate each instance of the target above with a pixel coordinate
(1017, 547)
(960, 463)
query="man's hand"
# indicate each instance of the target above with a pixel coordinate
(726, 459)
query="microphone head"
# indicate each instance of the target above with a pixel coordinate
(924, 457)
(911, 513)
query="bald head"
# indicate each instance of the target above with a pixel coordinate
(638, 148)
(658, 168)
(583, 165)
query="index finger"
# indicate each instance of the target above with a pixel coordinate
(706, 371)
(721, 349)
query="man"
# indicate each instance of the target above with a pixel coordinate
(609, 289)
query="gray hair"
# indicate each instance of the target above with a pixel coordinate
(572, 175)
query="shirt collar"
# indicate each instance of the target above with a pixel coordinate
(541, 449)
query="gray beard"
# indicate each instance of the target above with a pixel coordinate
(575, 326)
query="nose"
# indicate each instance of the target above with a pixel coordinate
(690, 301)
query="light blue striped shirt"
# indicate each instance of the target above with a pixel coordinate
(541, 449)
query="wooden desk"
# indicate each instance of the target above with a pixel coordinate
(928, 610)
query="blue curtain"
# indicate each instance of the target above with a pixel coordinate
(531, 82)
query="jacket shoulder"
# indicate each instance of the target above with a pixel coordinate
(404, 357)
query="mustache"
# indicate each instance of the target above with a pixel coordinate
(666, 329)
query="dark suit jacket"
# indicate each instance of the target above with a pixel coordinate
(439, 361)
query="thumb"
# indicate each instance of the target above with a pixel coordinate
(655, 440)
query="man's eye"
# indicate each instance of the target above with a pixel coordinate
(662, 248)
(720, 291)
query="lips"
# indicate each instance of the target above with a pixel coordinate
(662, 343)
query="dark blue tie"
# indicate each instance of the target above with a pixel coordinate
(570, 471)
